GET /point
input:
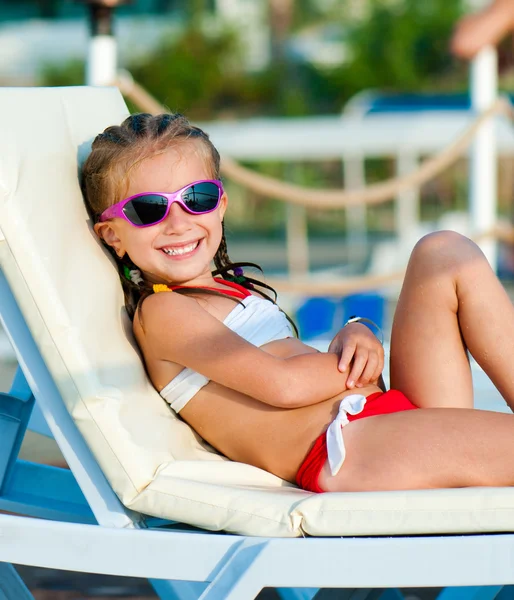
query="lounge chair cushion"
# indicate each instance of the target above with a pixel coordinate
(69, 292)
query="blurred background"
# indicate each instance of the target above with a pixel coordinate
(324, 94)
(328, 94)
(248, 57)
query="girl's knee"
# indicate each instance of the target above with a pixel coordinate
(445, 251)
(441, 241)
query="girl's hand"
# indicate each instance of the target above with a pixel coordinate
(356, 343)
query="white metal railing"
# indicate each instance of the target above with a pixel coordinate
(404, 136)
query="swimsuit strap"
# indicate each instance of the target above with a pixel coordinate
(237, 291)
(244, 292)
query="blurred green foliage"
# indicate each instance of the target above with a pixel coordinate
(399, 46)
(72, 72)
(402, 47)
(198, 73)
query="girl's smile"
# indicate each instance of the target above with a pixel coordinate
(181, 251)
(186, 243)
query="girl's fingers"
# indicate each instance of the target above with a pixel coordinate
(380, 365)
(359, 363)
(346, 356)
(368, 374)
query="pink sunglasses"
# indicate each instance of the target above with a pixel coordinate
(150, 208)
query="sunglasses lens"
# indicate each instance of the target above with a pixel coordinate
(146, 209)
(201, 197)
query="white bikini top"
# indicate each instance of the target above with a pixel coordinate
(255, 319)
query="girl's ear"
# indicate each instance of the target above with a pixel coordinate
(108, 234)
(223, 205)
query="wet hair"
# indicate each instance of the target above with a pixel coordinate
(104, 181)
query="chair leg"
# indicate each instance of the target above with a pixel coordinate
(236, 580)
(485, 592)
(11, 584)
(507, 593)
(177, 590)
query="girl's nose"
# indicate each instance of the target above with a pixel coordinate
(178, 220)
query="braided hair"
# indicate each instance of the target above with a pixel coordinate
(119, 149)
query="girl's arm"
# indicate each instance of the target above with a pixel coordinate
(178, 329)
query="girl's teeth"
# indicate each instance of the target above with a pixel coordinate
(182, 250)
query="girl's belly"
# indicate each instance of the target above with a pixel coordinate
(265, 436)
(249, 431)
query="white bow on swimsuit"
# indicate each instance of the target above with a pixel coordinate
(353, 405)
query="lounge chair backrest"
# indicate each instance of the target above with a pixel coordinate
(69, 291)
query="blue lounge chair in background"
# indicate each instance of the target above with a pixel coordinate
(320, 318)
(143, 495)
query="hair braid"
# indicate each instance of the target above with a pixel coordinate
(163, 124)
(141, 123)
(221, 258)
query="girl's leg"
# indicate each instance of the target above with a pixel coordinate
(430, 448)
(451, 301)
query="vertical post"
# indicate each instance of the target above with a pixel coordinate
(297, 232)
(101, 64)
(483, 159)
(407, 204)
(354, 173)
(297, 240)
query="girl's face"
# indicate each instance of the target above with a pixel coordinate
(193, 238)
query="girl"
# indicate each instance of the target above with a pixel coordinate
(226, 359)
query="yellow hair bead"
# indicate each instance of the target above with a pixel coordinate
(161, 287)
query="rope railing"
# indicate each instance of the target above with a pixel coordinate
(311, 287)
(334, 199)
(375, 193)
(340, 287)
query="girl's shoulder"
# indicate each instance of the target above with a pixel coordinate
(162, 300)
(165, 311)
(161, 310)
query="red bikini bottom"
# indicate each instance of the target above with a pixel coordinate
(380, 403)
